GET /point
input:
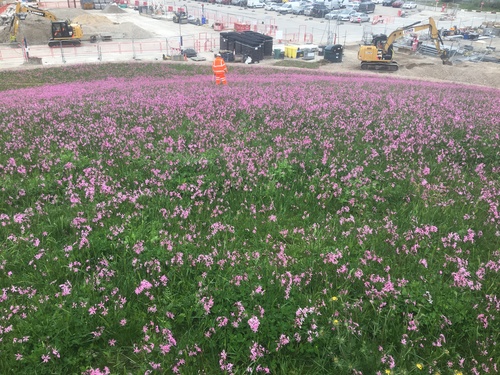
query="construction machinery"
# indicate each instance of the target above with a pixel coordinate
(379, 54)
(63, 32)
(180, 17)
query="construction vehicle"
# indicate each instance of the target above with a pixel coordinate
(180, 17)
(63, 32)
(379, 54)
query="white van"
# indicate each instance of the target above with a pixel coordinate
(255, 3)
(332, 4)
(351, 6)
(288, 7)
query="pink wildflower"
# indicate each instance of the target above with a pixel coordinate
(254, 323)
(145, 285)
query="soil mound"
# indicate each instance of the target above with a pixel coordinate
(36, 30)
(113, 9)
(92, 20)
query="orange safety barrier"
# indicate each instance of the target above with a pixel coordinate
(3, 8)
(239, 27)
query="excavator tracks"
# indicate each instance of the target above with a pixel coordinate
(384, 66)
(63, 43)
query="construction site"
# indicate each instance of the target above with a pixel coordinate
(101, 31)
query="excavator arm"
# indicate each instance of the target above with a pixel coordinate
(20, 14)
(20, 9)
(14, 27)
(416, 27)
(379, 55)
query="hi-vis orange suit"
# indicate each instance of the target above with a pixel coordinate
(219, 68)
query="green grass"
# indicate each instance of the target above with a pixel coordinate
(146, 226)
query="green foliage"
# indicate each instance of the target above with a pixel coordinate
(297, 64)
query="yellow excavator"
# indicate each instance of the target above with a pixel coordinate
(63, 32)
(379, 55)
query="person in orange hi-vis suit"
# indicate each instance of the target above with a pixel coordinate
(219, 68)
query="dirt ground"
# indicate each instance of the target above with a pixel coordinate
(37, 29)
(412, 66)
(421, 67)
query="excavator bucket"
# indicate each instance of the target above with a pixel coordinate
(445, 57)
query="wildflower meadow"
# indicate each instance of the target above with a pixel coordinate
(293, 222)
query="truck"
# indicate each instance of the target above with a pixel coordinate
(379, 54)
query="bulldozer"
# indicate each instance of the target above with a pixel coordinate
(63, 32)
(379, 54)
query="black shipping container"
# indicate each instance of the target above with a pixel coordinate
(247, 43)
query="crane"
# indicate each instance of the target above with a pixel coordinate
(379, 55)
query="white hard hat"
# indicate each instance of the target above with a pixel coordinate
(218, 55)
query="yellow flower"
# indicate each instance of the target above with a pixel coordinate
(336, 322)
(458, 372)
(388, 372)
(334, 299)
(420, 366)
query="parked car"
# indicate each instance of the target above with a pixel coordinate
(255, 3)
(359, 17)
(398, 4)
(308, 9)
(333, 14)
(272, 5)
(319, 10)
(301, 8)
(345, 15)
(387, 3)
(366, 7)
(409, 5)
